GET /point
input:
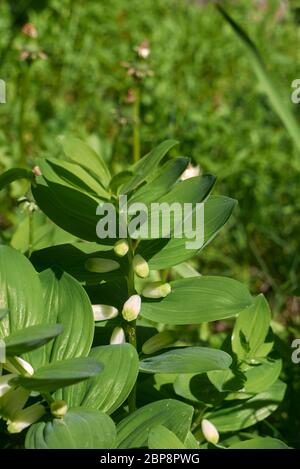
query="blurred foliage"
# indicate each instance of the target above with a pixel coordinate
(73, 80)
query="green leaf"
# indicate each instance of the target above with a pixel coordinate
(35, 232)
(185, 270)
(20, 292)
(186, 360)
(165, 253)
(133, 431)
(143, 170)
(260, 443)
(3, 313)
(79, 429)
(191, 190)
(162, 183)
(67, 303)
(73, 175)
(191, 442)
(115, 382)
(60, 374)
(118, 180)
(199, 299)
(14, 174)
(197, 388)
(159, 341)
(251, 328)
(254, 378)
(30, 338)
(281, 104)
(72, 259)
(71, 209)
(160, 437)
(236, 415)
(261, 376)
(81, 153)
(227, 380)
(171, 207)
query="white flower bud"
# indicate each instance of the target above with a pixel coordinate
(21, 362)
(209, 431)
(101, 265)
(104, 312)
(140, 266)
(25, 417)
(190, 172)
(5, 386)
(131, 308)
(156, 290)
(118, 336)
(121, 247)
(58, 409)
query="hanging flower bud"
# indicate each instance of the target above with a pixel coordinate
(104, 312)
(27, 368)
(118, 336)
(140, 266)
(121, 247)
(209, 431)
(26, 417)
(190, 172)
(158, 341)
(156, 290)
(131, 308)
(5, 385)
(58, 409)
(101, 265)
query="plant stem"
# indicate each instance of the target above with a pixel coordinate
(131, 326)
(197, 421)
(131, 334)
(47, 397)
(30, 233)
(136, 126)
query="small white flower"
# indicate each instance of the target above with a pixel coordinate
(140, 266)
(104, 312)
(143, 50)
(118, 336)
(25, 417)
(101, 265)
(121, 247)
(156, 290)
(209, 431)
(131, 308)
